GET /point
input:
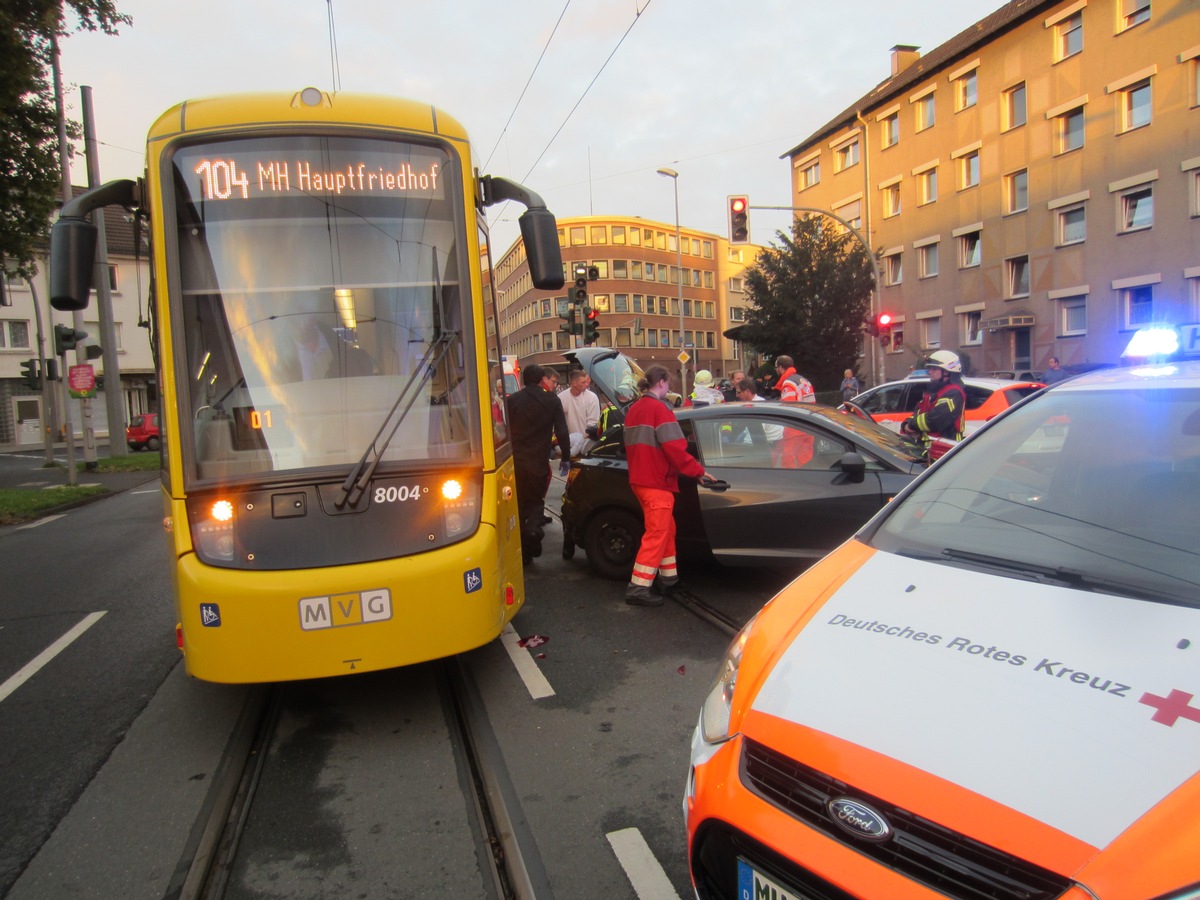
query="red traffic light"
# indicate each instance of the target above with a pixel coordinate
(885, 319)
(739, 218)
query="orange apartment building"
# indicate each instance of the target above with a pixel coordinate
(1032, 185)
(637, 294)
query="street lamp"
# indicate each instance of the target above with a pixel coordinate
(674, 176)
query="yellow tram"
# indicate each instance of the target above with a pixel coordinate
(337, 479)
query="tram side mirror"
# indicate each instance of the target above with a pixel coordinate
(539, 230)
(72, 256)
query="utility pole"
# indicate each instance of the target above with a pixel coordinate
(65, 169)
(113, 398)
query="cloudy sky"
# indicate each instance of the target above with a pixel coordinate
(716, 90)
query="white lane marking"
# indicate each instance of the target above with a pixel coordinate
(649, 880)
(40, 522)
(34, 665)
(148, 491)
(535, 681)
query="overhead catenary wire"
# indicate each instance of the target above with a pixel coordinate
(335, 64)
(636, 18)
(528, 81)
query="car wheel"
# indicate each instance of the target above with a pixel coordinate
(152, 444)
(612, 542)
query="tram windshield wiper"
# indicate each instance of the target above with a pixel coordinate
(364, 470)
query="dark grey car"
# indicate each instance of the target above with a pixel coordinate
(762, 513)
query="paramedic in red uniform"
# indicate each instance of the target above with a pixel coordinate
(657, 454)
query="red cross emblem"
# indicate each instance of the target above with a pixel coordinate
(1171, 708)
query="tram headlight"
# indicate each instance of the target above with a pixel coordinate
(460, 506)
(213, 533)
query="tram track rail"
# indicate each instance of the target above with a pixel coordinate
(510, 853)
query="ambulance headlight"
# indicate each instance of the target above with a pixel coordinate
(718, 705)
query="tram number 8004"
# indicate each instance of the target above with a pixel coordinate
(397, 493)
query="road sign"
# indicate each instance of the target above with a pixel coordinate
(683, 357)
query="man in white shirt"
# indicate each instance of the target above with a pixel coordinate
(747, 393)
(582, 408)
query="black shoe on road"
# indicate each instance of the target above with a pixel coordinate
(639, 595)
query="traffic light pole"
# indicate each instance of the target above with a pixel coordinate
(877, 300)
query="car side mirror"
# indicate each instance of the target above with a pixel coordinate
(854, 467)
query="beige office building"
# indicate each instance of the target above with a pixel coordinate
(637, 294)
(1033, 184)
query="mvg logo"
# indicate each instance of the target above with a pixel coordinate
(340, 610)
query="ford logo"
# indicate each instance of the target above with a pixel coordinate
(860, 820)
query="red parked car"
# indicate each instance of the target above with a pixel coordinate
(143, 432)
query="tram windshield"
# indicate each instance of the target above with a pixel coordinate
(322, 300)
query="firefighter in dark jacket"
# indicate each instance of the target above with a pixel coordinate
(535, 418)
(942, 411)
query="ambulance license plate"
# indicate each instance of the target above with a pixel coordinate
(754, 885)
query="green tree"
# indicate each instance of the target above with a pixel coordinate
(810, 295)
(30, 171)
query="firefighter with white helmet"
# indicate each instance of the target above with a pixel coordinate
(942, 412)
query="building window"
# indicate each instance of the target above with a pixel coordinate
(897, 337)
(1138, 304)
(972, 334)
(599, 234)
(1070, 130)
(1016, 191)
(578, 238)
(928, 185)
(1135, 106)
(1136, 209)
(927, 261)
(1134, 12)
(1072, 225)
(810, 174)
(1195, 191)
(966, 91)
(14, 334)
(1017, 270)
(968, 170)
(737, 314)
(1014, 106)
(1069, 36)
(891, 200)
(851, 212)
(931, 333)
(890, 129)
(620, 267)
(970, 249)
(845, 156)
(1072, 316)
(620, 303)
(893, 269)
(926, 112)
(618, 234)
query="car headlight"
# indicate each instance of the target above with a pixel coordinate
(718, 705)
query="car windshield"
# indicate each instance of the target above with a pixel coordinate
(1094, 489)
(876, 434)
